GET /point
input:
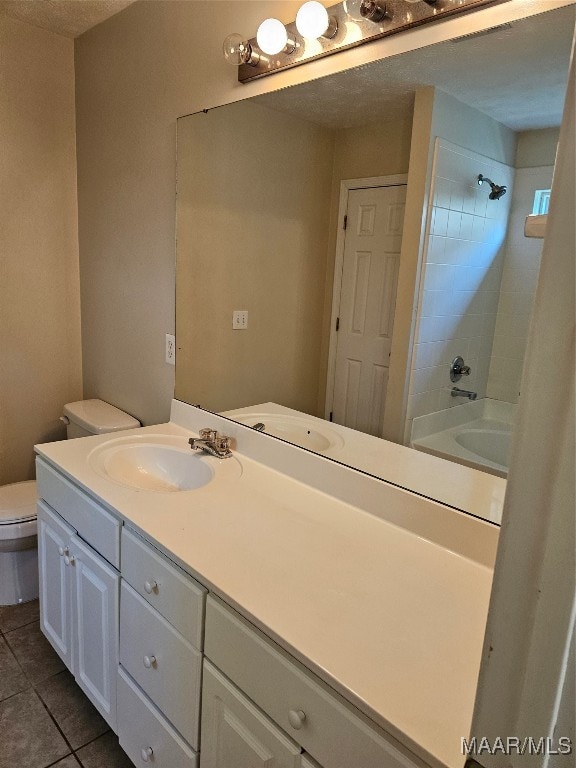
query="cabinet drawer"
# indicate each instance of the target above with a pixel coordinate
(235, 733)
(162, 662)
(319, 720)
(172, 592)
(141, 727)
(307, 762)
(96, 526)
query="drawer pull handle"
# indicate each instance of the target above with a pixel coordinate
(63, 551)
(150, 586)
(296, 718)
(149, 661)
(69, 559)
(146, 753)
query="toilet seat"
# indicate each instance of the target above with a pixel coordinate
(18, 510)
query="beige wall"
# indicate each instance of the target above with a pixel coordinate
(537, 148)
(251, 235)
(135, 74)
(39, 307)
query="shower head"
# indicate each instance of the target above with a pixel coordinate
(496, 191)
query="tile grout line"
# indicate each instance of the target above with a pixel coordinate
(39, 696)
(32, 686)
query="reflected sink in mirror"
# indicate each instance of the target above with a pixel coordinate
(159, 463)
(284, 424)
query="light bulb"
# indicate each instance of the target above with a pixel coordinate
(272, 37)
(237, 50)
(313, 21)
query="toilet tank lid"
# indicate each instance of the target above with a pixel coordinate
(18, 501)
(99, 417)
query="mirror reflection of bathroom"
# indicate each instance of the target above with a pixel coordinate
(371, 240)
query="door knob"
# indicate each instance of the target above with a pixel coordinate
(149, 661)
(69, 560)
(63, 551)
(146, 753)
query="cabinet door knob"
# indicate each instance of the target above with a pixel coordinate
(150, 586)
(63, 551)
(149, 661)
(69, 560)
(296, 718)
(146, 753)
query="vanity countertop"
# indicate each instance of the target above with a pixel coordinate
(391, 620)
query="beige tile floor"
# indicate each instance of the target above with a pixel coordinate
(45, 719)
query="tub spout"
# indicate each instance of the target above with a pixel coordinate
(463, 393)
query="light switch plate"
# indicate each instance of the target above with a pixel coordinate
(240, 320)
(170, 349)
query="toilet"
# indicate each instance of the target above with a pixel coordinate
(18, 540)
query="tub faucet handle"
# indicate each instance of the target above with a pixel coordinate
(458, 369)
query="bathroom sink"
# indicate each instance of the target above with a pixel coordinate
(307, 433)
(159, 463)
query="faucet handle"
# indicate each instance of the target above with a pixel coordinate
(458, 369)
(208, 434)
(222, 443)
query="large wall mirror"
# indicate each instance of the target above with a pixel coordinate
(295, 210)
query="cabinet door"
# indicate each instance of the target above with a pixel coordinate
(95, 596)
(55, 581)
(236, 733)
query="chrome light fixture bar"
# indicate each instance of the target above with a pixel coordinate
(336, 28)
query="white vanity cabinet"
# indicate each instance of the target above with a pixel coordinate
(314, 717)
(160, 674)
(79, 608)
(236, 733)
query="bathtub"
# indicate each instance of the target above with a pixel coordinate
(477, 434)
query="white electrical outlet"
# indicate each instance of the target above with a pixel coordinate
(240, 319)
(170, 349)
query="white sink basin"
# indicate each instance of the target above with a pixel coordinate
(307, 433)
(159, 463)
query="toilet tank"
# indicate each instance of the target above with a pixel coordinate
(95, 417)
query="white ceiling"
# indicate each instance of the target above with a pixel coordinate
(69, 18)
(517, 75)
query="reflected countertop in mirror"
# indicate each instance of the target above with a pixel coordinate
(264, 217)
(458, 486)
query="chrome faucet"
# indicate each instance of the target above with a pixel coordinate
(455, 392)
(211, 442)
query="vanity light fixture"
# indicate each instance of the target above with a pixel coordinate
(319, 31)
(372, 10)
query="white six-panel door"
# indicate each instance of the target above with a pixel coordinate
(369, 279)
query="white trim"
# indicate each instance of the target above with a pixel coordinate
(346, 185)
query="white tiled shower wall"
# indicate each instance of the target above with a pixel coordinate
(460, 284)
(519, 279)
